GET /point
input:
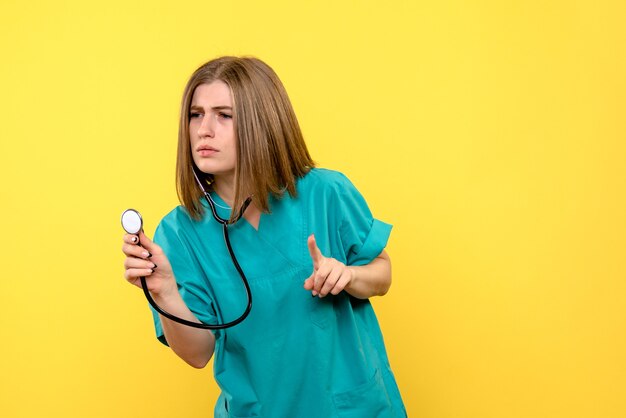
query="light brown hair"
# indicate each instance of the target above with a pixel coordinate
(271, 153)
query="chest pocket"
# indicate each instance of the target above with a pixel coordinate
(321, 311)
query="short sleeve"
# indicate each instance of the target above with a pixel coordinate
(188, 272)
(362, 236)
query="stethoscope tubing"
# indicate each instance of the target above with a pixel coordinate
(225, 224)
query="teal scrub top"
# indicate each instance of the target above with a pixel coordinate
(294, 355)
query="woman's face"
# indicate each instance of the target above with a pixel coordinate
(211, 131)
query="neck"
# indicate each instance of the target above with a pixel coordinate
(225, 188)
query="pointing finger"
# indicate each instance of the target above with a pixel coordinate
(314, 251)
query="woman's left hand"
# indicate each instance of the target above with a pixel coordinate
(329, 275)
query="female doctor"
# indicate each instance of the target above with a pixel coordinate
(308, 244)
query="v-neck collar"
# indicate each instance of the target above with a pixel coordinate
(224, 211)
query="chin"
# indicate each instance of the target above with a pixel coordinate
(206, 167)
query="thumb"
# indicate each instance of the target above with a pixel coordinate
(147, 243)
(314, 251)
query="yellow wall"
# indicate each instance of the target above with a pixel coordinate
(491, 135)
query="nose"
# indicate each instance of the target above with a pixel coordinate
(207, 126)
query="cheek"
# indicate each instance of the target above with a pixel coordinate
(194, 126)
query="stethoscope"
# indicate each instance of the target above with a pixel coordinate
(132, 223)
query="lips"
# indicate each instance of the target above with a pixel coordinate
(205, 150)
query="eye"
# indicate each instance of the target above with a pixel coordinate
(193, 115)
(225, 115)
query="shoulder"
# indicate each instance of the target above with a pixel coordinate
(324, 180)
(176, 219)
(331, 191)
(178, 214)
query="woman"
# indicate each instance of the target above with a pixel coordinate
(307, 232)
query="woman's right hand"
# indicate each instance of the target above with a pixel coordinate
(193, 345)
(148, 260)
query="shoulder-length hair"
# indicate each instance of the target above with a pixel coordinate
(271, 153)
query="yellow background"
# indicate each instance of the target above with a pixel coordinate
(490, 133)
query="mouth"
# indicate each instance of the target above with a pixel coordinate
(205, 150)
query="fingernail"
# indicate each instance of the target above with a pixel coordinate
(149, 254)
(151, 271)
(154, 266)
(146, 254)
(134, 239)
(314, 293)
(312, 296)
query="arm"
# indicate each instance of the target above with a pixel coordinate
(373, 279)
(195, 346)
(332, 276)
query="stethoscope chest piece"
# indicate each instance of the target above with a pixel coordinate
(131, 221)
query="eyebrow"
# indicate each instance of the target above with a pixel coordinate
(222, 107)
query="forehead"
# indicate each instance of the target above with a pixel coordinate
(216, 93)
